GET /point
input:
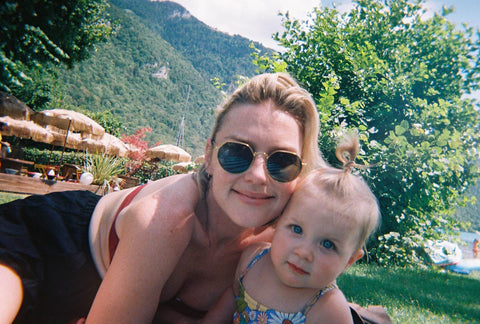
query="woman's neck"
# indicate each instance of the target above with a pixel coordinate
(220, 230)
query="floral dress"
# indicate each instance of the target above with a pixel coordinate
(249, 311)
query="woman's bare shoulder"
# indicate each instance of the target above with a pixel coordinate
(157, 199)
(166, 191)
(171, 199)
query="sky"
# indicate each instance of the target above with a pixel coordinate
(258, 19)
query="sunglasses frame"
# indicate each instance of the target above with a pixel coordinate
(254, 154)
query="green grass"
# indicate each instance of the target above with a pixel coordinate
(415, 295)
(6, 197)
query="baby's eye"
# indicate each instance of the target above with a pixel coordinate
(327, 244)
(296, 229)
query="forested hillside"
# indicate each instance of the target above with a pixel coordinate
(212, 53)
(143, 79)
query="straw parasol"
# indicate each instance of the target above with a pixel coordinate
(25, 129)
(69, 120)
(14, 108)
(168, 152)
(199, 159)
(183, 167)
(114, 145)
(72, 141)
(93, 146)
(108, 144)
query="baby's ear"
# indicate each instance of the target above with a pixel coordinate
(357, 255)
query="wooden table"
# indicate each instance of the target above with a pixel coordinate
(17, 164)
(45, 168)
(27, 185)
(71, 172)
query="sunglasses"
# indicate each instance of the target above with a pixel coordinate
(237, 157)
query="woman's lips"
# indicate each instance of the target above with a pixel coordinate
(251, 197)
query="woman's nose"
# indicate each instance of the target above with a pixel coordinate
(257, 172)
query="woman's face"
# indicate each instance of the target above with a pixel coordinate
(253, 198)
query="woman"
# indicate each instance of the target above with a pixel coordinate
(175, 243)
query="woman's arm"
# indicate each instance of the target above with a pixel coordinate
(222, 311)
(224, 308)
(154, 232)
(11, 294)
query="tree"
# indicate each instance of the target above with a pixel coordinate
(37, 32)
(402, 80)
(107, 120)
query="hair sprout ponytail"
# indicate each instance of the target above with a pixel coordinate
(347, 152)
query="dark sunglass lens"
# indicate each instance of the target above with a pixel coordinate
(284, 166)
(235, 157)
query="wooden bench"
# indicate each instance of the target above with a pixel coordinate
(21, 166)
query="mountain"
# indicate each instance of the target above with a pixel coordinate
(212, 53)
(144, 72)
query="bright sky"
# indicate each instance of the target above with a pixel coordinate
(258, 19)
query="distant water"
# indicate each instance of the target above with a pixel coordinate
(469, 237)
(466, 248)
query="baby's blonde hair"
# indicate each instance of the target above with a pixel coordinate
(345, 193)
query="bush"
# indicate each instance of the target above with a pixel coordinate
(143, 171)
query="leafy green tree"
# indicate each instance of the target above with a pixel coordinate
(38, 32)
(108, 121)
(402, 80)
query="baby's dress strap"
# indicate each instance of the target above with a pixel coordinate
(316, 297)
(254, 260)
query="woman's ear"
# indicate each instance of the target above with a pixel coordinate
(208, 155)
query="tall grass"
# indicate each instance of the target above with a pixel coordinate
(103, 168)
(415, 295)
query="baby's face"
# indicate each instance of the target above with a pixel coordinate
(312, 245)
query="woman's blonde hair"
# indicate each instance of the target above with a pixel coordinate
(285, 93)
(345, 193)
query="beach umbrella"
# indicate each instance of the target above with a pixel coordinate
(72, 141)
(108, 144)
(69, 120)
(93, 146)
(25, 129)
(183, 167)
(168, 152)
(12, 107)
(199, 159)
(115, 146)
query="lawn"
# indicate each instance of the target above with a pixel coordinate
(415, 295)
(6, 197)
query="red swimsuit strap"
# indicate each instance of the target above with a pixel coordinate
(113, 237)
